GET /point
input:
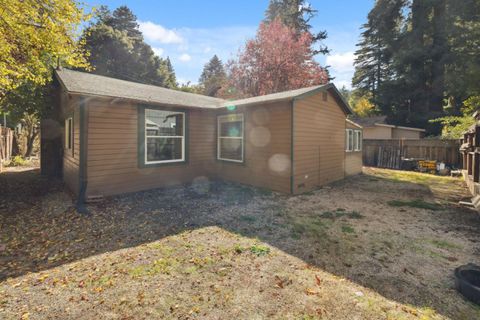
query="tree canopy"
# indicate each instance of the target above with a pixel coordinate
(277, 59)
(34, 34)
(213, 76)
(416, 57)
(117, 49)
(296, 14)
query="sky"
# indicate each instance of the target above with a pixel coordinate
(190, 32)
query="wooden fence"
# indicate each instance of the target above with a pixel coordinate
(6, 140)
(388, 153)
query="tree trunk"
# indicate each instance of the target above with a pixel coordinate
(439, 49)
(417, 75)
(30, 141)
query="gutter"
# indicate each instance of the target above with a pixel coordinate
(82, 170)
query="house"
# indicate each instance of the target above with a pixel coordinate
(120, 136)
(376, 127)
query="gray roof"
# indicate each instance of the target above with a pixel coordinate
(367, 122)
(77, 82)
(92, 84)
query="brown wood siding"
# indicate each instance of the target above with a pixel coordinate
(112, 165)
(267, 148)
(319, 142)
(70, 108)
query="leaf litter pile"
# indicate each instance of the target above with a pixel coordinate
(222, 250)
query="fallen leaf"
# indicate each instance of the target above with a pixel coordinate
(25, 316)
(318, 280)
(310, 292)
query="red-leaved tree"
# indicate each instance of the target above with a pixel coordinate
(277, 59)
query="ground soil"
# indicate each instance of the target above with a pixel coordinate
(381, 245)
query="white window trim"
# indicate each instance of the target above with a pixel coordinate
(69, 133)
(219, 137)
(146, 136)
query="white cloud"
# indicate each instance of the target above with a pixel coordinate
(185, 57)
(157, 33)
(341, 68)
(341, 62)
(158, 51)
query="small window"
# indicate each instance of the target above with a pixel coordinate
(164, 136)
(69, 133)
(358, 140)
(230, 137)
(349, 140)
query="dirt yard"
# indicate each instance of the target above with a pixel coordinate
(382, 245)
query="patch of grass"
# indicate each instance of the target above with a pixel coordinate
(259, 250)
(417, 203)
(238, 249)
(347, 229)
(443, 244)
(160, 266)
(248, 218)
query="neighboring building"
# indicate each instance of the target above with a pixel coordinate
(376, 128)
(124, 137)
(353, 148)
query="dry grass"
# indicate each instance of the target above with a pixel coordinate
(230, 251)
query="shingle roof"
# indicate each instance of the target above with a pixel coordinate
(92, 84)
(367, 122)
(77, 82)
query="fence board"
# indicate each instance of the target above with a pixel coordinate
(387, 152)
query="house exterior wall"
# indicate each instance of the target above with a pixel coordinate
(70, 108)
(112, 165)
(112, 157)
(377, 133)
(400, 133)
(267, 157)
(319, 142)
(353, 160)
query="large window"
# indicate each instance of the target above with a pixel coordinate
(230, 137)
(164, 136)
(353, 140)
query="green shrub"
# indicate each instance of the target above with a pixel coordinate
(18, 161)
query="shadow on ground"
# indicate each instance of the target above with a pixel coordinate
(400, 236)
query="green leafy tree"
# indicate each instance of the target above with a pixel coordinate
(117, 49)
(296, 14)
(213, 77)
(416, 56)
(34, 35)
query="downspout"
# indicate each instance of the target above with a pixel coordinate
(292, 158)
(82, 172)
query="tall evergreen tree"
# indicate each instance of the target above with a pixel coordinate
(297, 14)
(117, 49)
(213, 76)
(415, 55)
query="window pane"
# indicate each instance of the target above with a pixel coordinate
(163, 123)
(231, 149)
(231, 129)
(350, 140)
(163, 149)
(355, 140)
